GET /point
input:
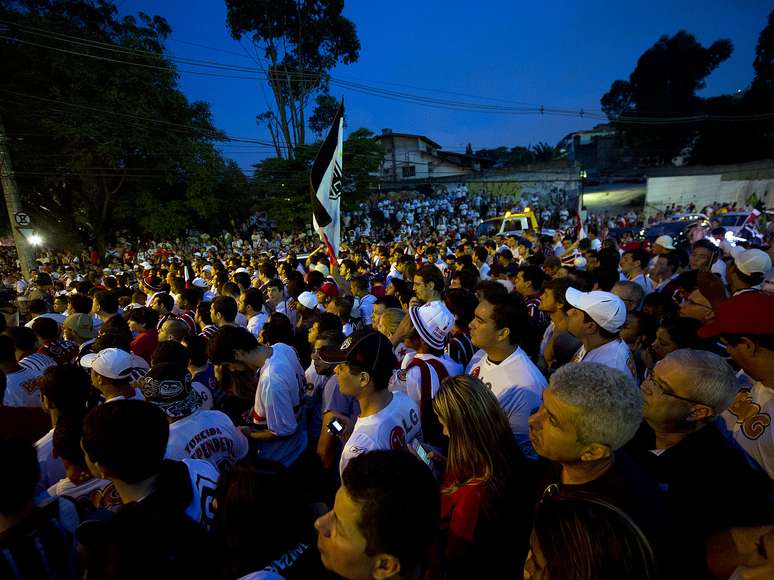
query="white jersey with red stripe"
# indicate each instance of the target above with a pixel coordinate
(278, 405)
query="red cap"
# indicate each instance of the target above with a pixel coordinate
(329, 289)
(746, 313)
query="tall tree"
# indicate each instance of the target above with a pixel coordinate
(99, 143)
(297, 43)
(325, 111)
(663, 85)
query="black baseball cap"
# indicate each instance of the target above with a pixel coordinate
(366, 349)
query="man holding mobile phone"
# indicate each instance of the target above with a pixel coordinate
(364, 365)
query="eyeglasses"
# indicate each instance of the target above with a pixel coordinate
(664, 389)
(681, 299)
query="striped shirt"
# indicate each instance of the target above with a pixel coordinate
(37, 361)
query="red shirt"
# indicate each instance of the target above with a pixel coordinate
(460, 510)
(145, 343)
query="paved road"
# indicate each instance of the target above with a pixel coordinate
(614, 198)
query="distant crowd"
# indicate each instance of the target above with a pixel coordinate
(433, 403)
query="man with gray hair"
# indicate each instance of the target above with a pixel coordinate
(589, 412)
(631, 293)
(709, 483)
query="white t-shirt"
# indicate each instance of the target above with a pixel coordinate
(644, 282)
(366, 305)
(95, 493)
(22, 389)
(749, 420)
(615, 354)
(391, 428)
(518, 385)
(51, 468)
(37, 362)
(204, 481)
(208, 435)
(255, 323)
(277, 407)
(241, 320)
(410, 381)
(205, 394)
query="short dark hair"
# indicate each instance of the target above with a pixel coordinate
(462, 303)
(672, 259)
(388, 301)
(191, 296)
(639, 255)
(67, 439)
(509, 311)
(203, 312)
(7, 348)
(709, 246)
(253, 297)
(480, 253)
(328, 322)
(107, 301)
(431, 274)
(127, 437)
(67, 388)
(222, 345)
(80, 303)
(24, 338)
(230, 289)
(171, 352)
(275, 283)
(46, 328)
(113, 340)
(490, 290)
(144, 315)
(197, 349)
(359, 282)
(21, 475)
(278, 329)
(386, 485)
(226, 306)
(165, 300)
(558, 287)
(468, 277)
(534, 275)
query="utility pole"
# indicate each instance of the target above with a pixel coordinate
(13, 205)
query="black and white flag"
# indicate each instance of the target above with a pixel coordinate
(326, 186)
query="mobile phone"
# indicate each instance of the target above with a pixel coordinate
(335, 426)
(422, 453)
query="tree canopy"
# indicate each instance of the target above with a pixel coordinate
(98, 144)
(661, 117)
(296, 43)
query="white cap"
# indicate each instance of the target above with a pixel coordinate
(433, 322)
(206, 268)
(147, 265)
(604, 308)
(113, 363)
(308, 300)
(665, 242)
(752, 261)
(200, 282)
(579, 263)
(240, 270)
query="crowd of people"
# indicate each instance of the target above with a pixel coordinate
(431, 404)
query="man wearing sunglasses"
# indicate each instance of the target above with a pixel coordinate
(709, 483)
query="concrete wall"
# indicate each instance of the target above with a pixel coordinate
(704, 190)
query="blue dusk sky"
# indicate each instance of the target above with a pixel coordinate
(561, 53)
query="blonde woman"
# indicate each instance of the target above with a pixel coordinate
(387, 324)
(485, 509)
